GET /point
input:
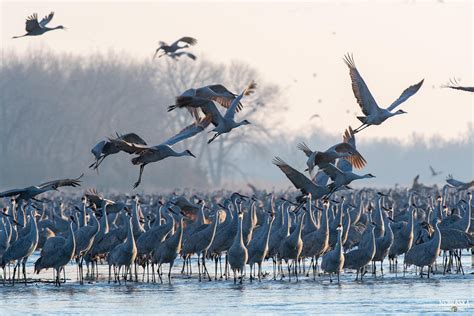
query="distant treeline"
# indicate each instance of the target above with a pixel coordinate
(55, 107)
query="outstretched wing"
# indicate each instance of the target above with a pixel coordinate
(299, 180)
(453, 84)
(52, 185)
(133, 138)
(230, 113)
(32, 23)
(355, 159)
(46, 20)
(361, 91)
(190, 131)
(186, 39)
(304, 148)
(128, 147)
(13, 192)
(349, 137)
(93, 196)
(411, 90)
(332, 171)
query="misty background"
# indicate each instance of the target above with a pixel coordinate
(63, 92)
(56, 106)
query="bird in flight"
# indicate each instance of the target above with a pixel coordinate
(32, 191)
(34, 28)
(435, 173)
(374, 115)
(183, 42)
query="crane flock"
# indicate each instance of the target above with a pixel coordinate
(347, 229)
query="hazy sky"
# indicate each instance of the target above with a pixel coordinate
(298, 46)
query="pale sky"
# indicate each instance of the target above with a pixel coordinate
(395, 44)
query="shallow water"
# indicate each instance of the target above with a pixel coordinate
(389, 294)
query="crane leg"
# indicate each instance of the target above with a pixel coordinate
(142, 166)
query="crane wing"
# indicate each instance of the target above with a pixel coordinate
(349, 137)
(361, 91)
(133, 138)
(230, 113)
(355, 159)
(128, 147)
(32, 23)
(53, 185)
(186, 39)
(321, 178)
(299, 180)
(304, 148)
(332, 171)
(453, 84)
(190, 131)
(411, 90)
(46, 20)
(453, 182)
(13, 192)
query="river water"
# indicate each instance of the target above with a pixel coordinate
(390, 294)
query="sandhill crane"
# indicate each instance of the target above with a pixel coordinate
(84, 240)
(333, 261)
(124, 254)
(402, 238)
(258, 247)
(341, 178)
(300, 181)
(382, 245)
(56, 253)
(106, 148)
(97, 199)
(459, 185)
(199, 243)
(32, 191)
(23, 247)
(341, 150)
(34, 28)
(317, 242)
(226, 122)
(424, 254)
(237, 253)
(147, 154)
(435, 173)
(454, 84)
(169, 249)
(193, 99)
(360, 257)
(374, 115)
(291, 247)
(186, 41)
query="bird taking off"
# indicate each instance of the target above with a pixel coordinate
(34, 28)
(374, 115)
(183, 42)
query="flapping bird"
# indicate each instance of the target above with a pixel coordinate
(183, 42)
(193, 99)
(435, 173)
(341, 178)
(454, 84)
(105, 148)
(227, 122)
(342, 150)
(32, 191)
(147, 154)
(374, 115)
(300, 181)
(34, 28)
